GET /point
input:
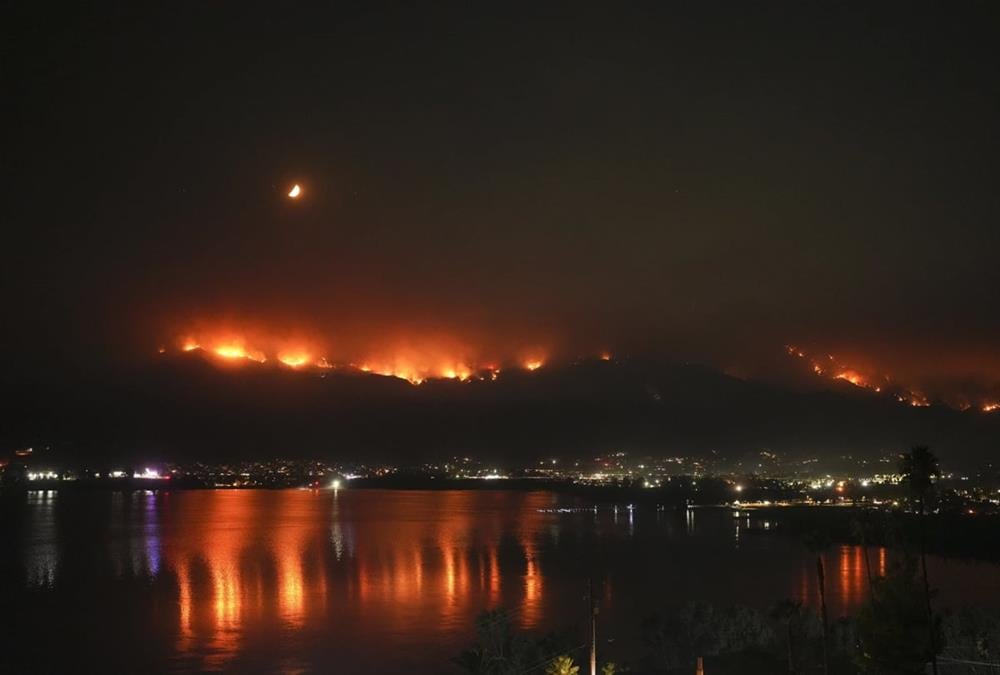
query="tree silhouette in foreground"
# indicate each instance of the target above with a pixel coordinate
(786, 612)
(502, 650)
(895, 635)
(498, 649)
(919, 468)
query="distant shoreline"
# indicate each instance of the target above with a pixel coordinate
(949, 535)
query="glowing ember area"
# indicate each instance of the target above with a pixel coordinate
(456, 373)
(855, 378)
(299, 359)
(830, 367)
(295, 192)
(915, 400)
(228, 349)
(991, 407)
(415, 364)
(415, 371)
(236, 351)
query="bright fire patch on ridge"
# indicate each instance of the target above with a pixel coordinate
(228, 349)
(237, 351)
(855, 378)
(298, 359)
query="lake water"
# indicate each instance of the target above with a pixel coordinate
(360, 581)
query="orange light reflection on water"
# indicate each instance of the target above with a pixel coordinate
(245, 561)
(531, 608)
(846, 578)
(289, 545)
(219, 594)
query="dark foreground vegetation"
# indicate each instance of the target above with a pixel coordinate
(897, 632)
(887, 638)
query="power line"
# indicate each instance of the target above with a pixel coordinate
(969, 663)
(502, 615)
(551, 659)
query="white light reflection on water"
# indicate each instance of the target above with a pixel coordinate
(41, 551)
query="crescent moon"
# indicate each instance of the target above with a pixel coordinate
(295, 191)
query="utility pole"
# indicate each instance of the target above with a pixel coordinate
(593, 628)
(821, 574)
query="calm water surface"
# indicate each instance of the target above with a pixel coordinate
(362, 581)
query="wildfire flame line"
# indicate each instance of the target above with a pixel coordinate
(831, 368)
(415, 368)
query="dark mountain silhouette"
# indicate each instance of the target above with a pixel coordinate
(187, 406)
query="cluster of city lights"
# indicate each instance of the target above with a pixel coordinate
(145, 474)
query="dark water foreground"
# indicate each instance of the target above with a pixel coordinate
(362, 581)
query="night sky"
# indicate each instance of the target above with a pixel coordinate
(671, 182)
